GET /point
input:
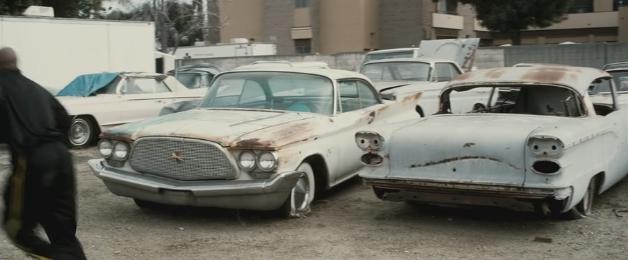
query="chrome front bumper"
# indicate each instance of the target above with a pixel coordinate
(461, 193)
(266, 194)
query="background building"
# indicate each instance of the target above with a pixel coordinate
(332, 26)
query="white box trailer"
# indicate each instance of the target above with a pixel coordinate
(53, 51)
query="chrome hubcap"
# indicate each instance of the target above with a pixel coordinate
(301, 194)
(79, 132)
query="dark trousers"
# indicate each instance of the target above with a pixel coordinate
(42, 191)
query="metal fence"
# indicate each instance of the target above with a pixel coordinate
(586, 55)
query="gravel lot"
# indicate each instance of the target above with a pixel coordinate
(349, 223)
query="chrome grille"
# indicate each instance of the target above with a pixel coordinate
(181, 159)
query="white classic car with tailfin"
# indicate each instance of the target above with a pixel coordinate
(102, 100)
(539, 138)
(262, 139)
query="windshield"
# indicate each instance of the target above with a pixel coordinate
(389, 55)
(528, 99)
(397, 71)
(621, 79)
(283, 91)
(194, 80)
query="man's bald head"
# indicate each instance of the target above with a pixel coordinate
(8, 59)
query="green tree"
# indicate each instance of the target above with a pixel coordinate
(15, 7)
(513, 16)
(177, 23)
(62, 8)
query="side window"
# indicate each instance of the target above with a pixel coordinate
(349, 97)
(600, 85)
(443, 72)
(131, 86)
(367, 96)
(110, 88)
(603, 104)
(355, 95)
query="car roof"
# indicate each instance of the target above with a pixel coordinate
(141, 74)
(285, 64)
(392, 50)
(330, 73)
(616, 66)
(420, 59)
(525, 64)
(578, 78)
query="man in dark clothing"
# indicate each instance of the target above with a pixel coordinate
(41, 189)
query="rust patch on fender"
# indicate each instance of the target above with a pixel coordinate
(412, 98)
(284, 135)
(299, 129)
(462, 158)
(463, 76)
(252, 143)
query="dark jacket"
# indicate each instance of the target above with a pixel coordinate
(29, 115)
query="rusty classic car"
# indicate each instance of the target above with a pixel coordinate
(540, 139)
(262, 139)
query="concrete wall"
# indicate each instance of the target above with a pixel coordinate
(623, 24)
(400, 23)
(277, 24)
(588, 55)
(347, 25)
(242, 19)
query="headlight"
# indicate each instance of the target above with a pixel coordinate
(546, 146)
(369, 141)
(105, 147)
(120, 151)
(267, 161)
(247, 161)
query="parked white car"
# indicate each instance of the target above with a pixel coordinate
(538, 138)
(99, 101)
(619, 71)
(262, 139)
(428, 76)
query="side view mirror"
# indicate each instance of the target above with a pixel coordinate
(388, 96)
(591, 90)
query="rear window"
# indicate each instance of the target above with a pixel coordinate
(389, 55)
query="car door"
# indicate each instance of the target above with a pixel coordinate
(357, 110)
(143, 98)
(616, 122)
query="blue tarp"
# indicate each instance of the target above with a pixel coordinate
(85, 85)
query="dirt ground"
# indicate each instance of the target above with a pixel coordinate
(349, 223)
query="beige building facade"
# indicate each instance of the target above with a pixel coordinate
(337, 26)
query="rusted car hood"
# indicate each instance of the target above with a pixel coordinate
(483, 148)
(229, 128)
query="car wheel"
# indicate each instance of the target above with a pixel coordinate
(302, 195)
(82, 132)
(584, 208)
